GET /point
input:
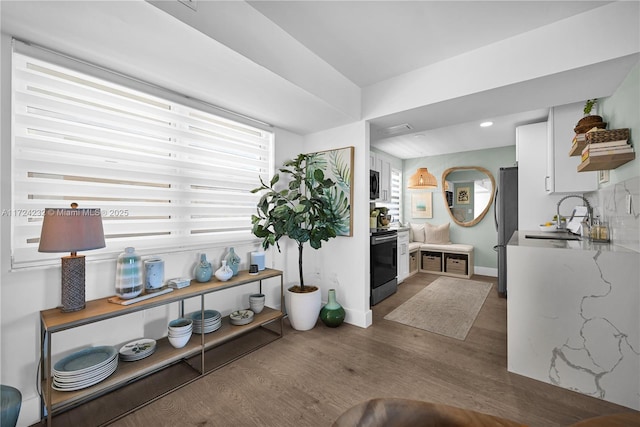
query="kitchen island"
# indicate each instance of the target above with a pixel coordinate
(573, 316)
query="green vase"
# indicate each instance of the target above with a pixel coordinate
(332, 314)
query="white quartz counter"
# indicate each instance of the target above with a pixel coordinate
(573, 316)
(519, 239)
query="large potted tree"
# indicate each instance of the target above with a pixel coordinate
(301, 209)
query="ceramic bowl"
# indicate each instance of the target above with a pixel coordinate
(179, 342)
(181, 333)
(180, 325)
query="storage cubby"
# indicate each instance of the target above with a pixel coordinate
(453, 262)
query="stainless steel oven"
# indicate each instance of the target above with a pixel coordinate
(384, 268)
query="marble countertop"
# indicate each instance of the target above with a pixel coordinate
(519, 239)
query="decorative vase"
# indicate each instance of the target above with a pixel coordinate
(129, 274)
(332, 314)
(224, 273)
(203, 269)
(233, 261)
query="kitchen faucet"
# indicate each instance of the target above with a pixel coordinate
(588, 217)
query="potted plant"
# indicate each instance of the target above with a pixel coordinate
(304, 212)
(590, 119)
(588, 106)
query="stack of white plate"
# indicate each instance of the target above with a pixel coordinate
(212, 321)
(84, 368)
(138, 349)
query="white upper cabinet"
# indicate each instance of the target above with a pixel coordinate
(562, 173)
(381, 164)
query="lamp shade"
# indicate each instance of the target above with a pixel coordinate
(422, 179)
(71, 230)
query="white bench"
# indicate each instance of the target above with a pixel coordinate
(447, 259)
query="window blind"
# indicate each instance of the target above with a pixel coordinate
(394, 206)
(166, 176)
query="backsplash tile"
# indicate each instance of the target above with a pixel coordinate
(611, 205)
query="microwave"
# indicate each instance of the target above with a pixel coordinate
(374, 185)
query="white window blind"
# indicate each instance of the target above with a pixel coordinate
(166, 176)
(394, 206)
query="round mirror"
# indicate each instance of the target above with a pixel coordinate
(468, 192)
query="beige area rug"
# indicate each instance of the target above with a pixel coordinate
(447, 306)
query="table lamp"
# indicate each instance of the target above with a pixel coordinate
(72, 230)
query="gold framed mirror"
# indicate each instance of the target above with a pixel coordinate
(468, 193)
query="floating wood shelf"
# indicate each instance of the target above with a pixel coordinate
(576, 148)
(611, 161)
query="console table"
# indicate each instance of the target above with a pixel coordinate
(54, 320)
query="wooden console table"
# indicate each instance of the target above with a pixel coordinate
(54, 320)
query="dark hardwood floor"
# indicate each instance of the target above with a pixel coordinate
(310, 378)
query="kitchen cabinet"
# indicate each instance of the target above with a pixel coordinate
(383, 165)
(267, 322)
(535, 205)
(562, 170)
(403, 255)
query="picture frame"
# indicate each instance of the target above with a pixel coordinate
(603, 176)
(422, 205)
(337, 165)
(463, 195)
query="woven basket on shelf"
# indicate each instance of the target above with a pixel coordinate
(607, 135)
(589, 122)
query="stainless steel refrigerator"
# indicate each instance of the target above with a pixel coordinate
(505, 211)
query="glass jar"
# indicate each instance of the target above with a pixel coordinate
(129, 282)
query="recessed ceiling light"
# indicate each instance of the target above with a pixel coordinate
(486, 124)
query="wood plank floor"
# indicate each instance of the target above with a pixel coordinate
(310, 378)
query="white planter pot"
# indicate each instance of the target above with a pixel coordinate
(303, 309)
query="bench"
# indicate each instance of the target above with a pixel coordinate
(452, 259)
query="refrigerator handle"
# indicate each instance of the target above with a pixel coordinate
(495, 209)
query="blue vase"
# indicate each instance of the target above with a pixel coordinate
(233, 261)
(203, 270)
(332, 314)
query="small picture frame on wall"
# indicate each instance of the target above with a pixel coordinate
(603, 176)
(422, 205)
(462, 195)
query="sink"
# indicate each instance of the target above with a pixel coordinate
(563, 235)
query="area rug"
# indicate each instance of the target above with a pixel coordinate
(447, 306)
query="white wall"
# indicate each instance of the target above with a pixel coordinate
(343, 263)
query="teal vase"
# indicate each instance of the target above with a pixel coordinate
(203, 269)
(332, 314)
(233, 261)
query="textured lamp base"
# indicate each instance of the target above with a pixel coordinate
(73, 283)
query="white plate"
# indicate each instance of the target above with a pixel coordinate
(138, 349)
(85, 360)
(84, 384)
(110, 367)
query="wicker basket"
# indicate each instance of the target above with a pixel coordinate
(607, 135)
(583, 127)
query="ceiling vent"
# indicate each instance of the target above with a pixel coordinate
(393, 130)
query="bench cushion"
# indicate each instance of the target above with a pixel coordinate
(414, 246)
(453, 247)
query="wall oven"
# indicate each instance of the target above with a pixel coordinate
(384, 268)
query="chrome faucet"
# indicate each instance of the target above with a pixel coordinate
(586, 203)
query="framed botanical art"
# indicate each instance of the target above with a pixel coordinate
(337, 165)
(421, 205)
(462, 195)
